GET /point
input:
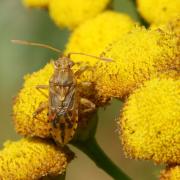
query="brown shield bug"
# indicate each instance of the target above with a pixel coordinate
(64, 98)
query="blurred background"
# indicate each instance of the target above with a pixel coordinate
(17, 22)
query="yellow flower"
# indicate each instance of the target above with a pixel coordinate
(36, 3)
(158, 11)
(95, 34)
(150, 124)
(32, 159)
(171, 173)
(138, 56)
(71, 13)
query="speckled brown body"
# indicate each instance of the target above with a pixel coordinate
(63, 101)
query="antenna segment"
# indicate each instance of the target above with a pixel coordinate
(36, 44)
(96, 57)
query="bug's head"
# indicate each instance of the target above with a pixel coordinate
(63, 62)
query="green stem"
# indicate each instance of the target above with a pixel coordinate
(91, 148)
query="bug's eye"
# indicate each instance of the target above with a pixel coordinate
(57, 64)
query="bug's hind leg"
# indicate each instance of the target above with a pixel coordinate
(40, 87)
(87, 105)
(42, 107)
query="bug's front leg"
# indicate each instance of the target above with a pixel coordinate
(86, 84)
(42, 107)
(39, 87)
(87, 105)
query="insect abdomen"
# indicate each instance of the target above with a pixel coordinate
(64, 127)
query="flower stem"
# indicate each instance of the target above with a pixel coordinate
(91, 148)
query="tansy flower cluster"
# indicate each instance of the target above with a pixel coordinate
(139, 55)
(70, 13)
(150, 122)
(158, 11)
(27, 159)
(65, 13)
(142, 69)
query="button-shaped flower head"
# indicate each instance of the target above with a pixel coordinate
(32, 159)
(150, 124)
(158, 11)
(71, 13)
(137, 57)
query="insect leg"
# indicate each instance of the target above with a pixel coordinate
(42, 86)
(89, 106)
(86, 84)
(39, 87)
(82, 69)
(41, 108)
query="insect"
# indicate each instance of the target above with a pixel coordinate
(64, 98)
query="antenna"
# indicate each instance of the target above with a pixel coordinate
(28, 43)
(96, 57)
